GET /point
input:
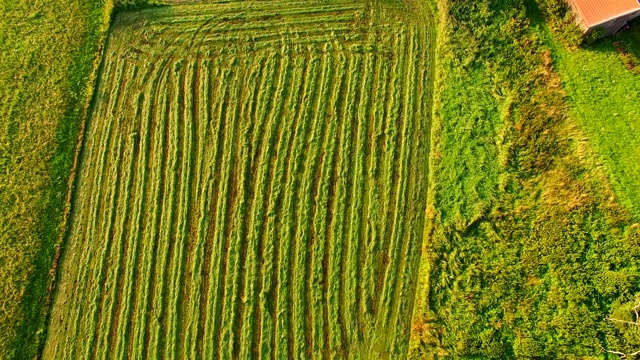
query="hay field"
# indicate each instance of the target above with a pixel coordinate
(252, 185)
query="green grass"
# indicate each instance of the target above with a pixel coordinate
(49, 52)
(253, 184)
(527, 249)
(604, 97)
(237, 228)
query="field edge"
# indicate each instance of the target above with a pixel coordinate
(54, 221)
(420, 306)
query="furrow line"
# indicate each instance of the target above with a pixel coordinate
(353, 277)
(174, 223)
(349, 248)
(301, 205)
(123, 334)
(158, 325)
(263, 12)
(371, 236)
(97, 293)
(247, 261)
(344, 181)
(376, 197)
(221, 28)
(233, 234)
(286, 340)
(332, 330)
(399, 185)
(313, 288)
(265, 305)
(214, 129)
(153, 169)
(223, 238)
(218, 209)
(243, 181)
(247, 335)
(95, 193)
(121, 253)
(181, 238)
(296, 37)
(192, 282)
(111, 216)
(411, 251)
(389, 134)
(150, 309)
(278, 329)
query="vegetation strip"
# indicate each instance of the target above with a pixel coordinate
(528, 255)
(43, 113)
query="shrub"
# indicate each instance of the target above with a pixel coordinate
(556, 9)
(132, 4)
(593, 36)
(562, 22)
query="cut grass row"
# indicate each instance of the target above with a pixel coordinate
(259, 201)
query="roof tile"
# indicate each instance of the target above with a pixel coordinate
(594, 12)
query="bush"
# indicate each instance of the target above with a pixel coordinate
(554, 9)
(594, 36)
(562, 22)
(132, 4)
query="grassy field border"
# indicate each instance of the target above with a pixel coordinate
(527, 227)
(420, 306)
(53, 221)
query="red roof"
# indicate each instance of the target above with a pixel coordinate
(595, 12)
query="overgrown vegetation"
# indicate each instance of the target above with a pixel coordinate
(562, 23)
(129, 5)
(528, 250)
(48, 57)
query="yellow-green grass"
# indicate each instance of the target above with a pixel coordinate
(47, 54)
(252, 185)
(605, 97)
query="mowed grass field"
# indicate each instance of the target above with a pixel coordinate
(604, 96)
(252, 185)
